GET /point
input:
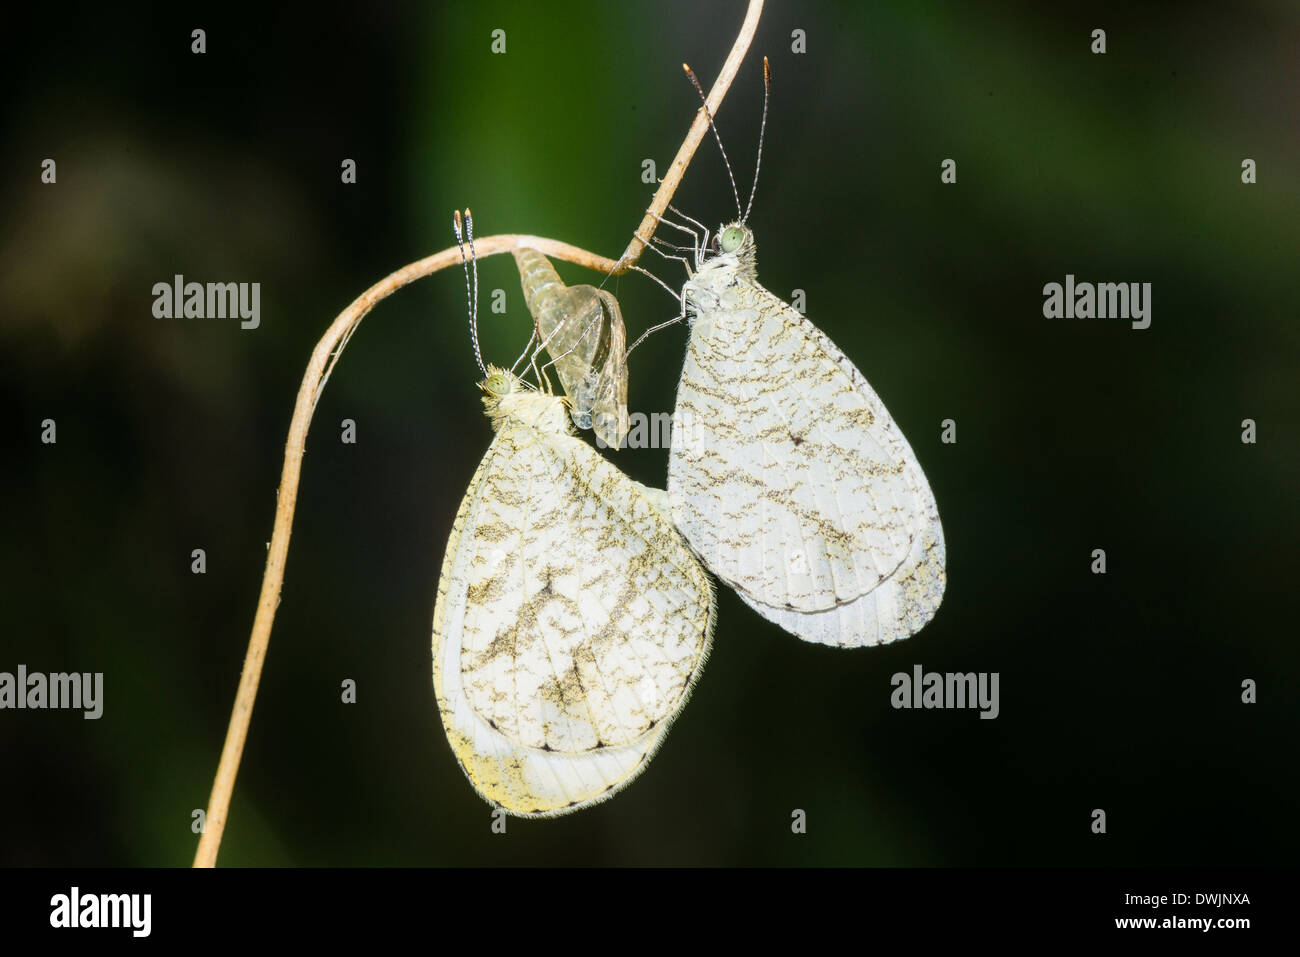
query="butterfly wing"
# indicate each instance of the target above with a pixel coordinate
(894, 609)
(571, 624)
(793, 483)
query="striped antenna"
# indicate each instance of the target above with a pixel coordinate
(700, 90)
(471, 289)
(758, 164)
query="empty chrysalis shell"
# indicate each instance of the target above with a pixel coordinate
(582, 329)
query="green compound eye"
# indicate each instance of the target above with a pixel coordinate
(498, 383)
(732, 238)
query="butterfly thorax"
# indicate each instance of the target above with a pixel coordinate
(716, 284)
(725, 313)
(535, 409)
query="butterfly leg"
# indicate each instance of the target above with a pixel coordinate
(681, 317)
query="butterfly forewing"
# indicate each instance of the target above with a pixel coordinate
(571, 622)
(792, 481)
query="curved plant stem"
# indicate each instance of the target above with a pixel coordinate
(323, 357)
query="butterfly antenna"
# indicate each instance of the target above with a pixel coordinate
(707, 112)
(471, 289)
(758, 164)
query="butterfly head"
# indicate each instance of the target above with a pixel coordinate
(732, 247)
(733, 238)
(501, 389)
(498, 383)
(509, 398)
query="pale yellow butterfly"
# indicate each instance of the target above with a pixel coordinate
(572, 620)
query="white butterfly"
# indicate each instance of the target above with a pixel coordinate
(787, 475)
(572, 619)
(791, 481)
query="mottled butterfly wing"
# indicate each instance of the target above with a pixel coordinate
(788, 476)
(582, 327)
(571, 619)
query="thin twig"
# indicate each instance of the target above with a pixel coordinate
(322, 360)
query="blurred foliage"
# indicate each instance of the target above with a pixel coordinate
(1120, 692)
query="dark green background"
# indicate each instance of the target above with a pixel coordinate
(1118, 691)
